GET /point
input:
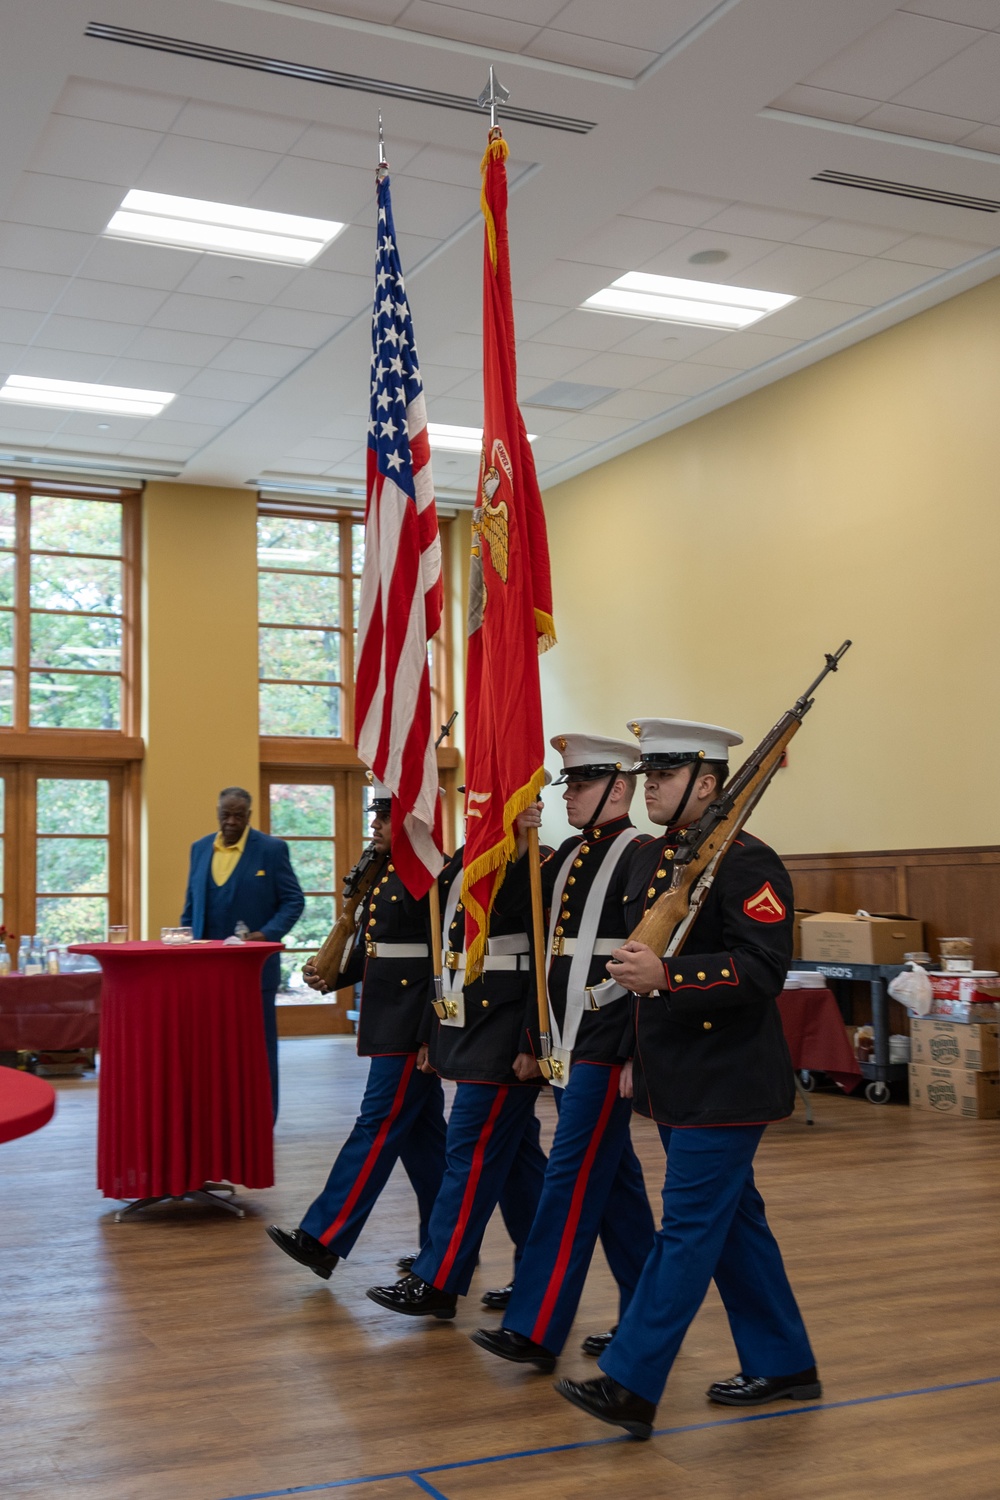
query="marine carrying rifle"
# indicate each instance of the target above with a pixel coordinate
(666, 924)
(331, 960)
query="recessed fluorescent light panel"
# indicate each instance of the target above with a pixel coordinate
(672, 299)
(77, 395)
(450, 439)
(221, 228)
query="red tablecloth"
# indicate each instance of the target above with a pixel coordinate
(816, 1037)
(49, 1012)
(26, 1103)
(185, 1094)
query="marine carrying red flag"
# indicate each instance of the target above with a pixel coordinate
(510, 595)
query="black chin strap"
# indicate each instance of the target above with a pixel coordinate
(607, 793)
(695, 772)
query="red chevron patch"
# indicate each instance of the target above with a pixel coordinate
(765, 906)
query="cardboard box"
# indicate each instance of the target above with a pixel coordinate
(800, 912)
(847, 938)
(955, 1091)
(965, 997)
(938, 1042)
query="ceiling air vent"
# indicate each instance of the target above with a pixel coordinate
(910, 190)
(569, 395)
(306, 73)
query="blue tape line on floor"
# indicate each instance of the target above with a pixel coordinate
(418, 1475)
(427, 1487)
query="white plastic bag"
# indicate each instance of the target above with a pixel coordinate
(913, 989)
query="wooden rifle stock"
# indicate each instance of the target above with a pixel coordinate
(666, 924)
(330, 961)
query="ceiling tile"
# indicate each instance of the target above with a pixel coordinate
(93, 150)
(327, 292)
(65, 443)
(175, 348)
(548, 361)
(640, 406)
(921, 123)
(616, 369)
(61, 203)
(653, 26)
(676, 208)
(203, 315)
(36, 291)
(229, 385)
(88, 100)
(825, 104)
(538, 12)
(180, 434)
(203, 409)
(318, 189)
(89, 335)
(761, 223)
(583, 52)
(238, 127)
(206, 169)
(328, 450)
(448, 164)
(897, 52)
(589, 427)
(530, 318)
(550, 451)
(286, 325)
(467, 26)
(687, 379)
(542, 419)
(967, 85)
(987, 138)
(432, 209)
(588, 330)
(462, 349)
(69, 364)
(59, 251)
(259, 359)
(237, 280)
(138, 265)
(982, 13)
(30, 418)
(809, 317)
(441, 379)
(353, 148)
(413, 249)
(741, 251)
(11, 356)
(876, 281)
(742, 351)
(114, 304)
(455, 411)
(18, 325)
(853, 239)
(166, 451)
(88, 424)
(148, 374)
(308, 468)
(625, 243)
(923, 250)
(353, 252)
(384, 11)
(567, 283)
(796, 269)
(655, 340)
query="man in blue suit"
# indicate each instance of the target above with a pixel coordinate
(242, 875)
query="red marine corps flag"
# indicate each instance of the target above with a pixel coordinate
(401, 593)
(510, 594)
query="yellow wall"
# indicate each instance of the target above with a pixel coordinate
(703, 576)
(199, 675)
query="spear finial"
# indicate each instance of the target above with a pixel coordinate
(383, 165)
(493, 95)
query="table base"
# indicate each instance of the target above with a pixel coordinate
(209, 1192)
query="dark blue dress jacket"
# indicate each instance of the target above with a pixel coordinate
(262, 891)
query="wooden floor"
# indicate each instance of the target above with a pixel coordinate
(179, 1356)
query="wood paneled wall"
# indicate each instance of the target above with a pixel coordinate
(954, 892)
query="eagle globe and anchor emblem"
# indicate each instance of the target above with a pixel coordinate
(490, 527)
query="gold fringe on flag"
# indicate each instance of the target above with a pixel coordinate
(497, 148)
(546, 627)
(496, 858)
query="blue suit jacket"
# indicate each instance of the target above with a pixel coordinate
(262, 891)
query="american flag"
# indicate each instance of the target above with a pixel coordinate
(401, 591)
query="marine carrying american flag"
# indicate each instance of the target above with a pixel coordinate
(401, 590)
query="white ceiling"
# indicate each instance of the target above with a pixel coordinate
(711, 121)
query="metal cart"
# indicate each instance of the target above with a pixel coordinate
(880, 1071)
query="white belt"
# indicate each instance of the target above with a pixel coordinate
(511, 962)
(396, 950)
(565, 947)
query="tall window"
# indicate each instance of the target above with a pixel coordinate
(67, 604)
(304, 815)
(309, 588)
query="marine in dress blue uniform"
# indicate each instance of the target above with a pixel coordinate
(493, 1152)
(261, 890)
(712, 1069)
(593, 1182)
(402, 1112)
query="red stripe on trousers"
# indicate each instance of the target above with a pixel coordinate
(373, 1155)
(469, 1196)
(575, 1209)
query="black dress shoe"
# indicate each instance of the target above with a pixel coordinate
(497, 1297)
(405, 1262)
(515, 1347)
(303, 1248)
(610, 1402)
(596, 1343)
(754, 1390)
(415, 1298)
